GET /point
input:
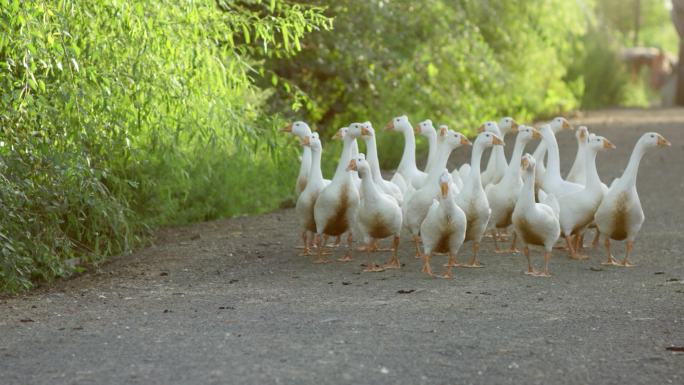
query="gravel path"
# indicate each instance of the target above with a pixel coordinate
(231, 302)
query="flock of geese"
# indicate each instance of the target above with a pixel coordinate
(442, 210)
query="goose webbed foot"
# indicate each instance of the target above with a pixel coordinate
(611, 261)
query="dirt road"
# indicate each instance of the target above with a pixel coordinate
(230, 302)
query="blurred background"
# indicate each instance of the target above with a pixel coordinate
(121, 116)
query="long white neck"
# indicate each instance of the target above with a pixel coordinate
(315, 174)
(593, 181)
(441, 158)
(553, 163)
(372, 156)
(305, 166)
(368, 186)
(513, 168)
(630, 175)
(539, 153)
(526, 197)
(475, 158)
(345, 157)
(408, 159)
(578, 164)
(432, 151)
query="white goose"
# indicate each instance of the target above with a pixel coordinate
(620, 215)
(367, 133)
(577, 209)
(497, 165)
(307, 199)
(535, 223)
(472, 198)
(556, 125)
(407, 166)
(301, 129)
(379, 215)
(340, 135)
(552, 182)
(335, 208)
(427, 130)
(417, 206)
(503, 195)
(444, 227)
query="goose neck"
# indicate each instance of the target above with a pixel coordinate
(629, 176)
(372, 156)
(408, 158)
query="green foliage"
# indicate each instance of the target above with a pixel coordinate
(117, 115)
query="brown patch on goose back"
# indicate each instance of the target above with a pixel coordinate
(506, 220)
(301, 183)
(442, 244)
(378, 228)
(338, 223)
(311, 220)
(620, 218)
(527, 233)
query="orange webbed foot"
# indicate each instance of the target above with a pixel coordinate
(346, 258)
(373, 268)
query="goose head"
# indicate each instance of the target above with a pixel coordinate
(528, 163)
(490, 127)
(297, 128)
(367, 130)
(359, 164)
(452, 138)
(582, 134)
(653, 139)
(341, 133)
(560, 123)
(444, 181)
(312, 141)
(599, 143)
(425, 128)
(354, 129)
(508, 124)
(399, 124)
(527, 133)
(488, 139)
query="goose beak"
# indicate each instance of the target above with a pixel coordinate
(352, 165)
(416, 129)
(337, 136)
(566, 125)
(607, 145)
(497, 141)
(365, 131)
(583, 134)
(465, 141)
(444, 188)
(481, 128)
(662, 142)
(536, 134)
(514, 126)
(390, 125)
(306, 141)
(287, 128)
(443, 131)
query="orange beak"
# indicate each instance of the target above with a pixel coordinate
(497, 141)
(444, 188)
(566, 125)
(287, 128)
(416, 129)
(583, 134)
(662, 142)
(442, 131)
(306, 141)
(525, 163)
(338, 135)
(536, 134)
(481, 128)
(352, 165)
(465, 141)
(390, 125)
(365, 131)
(514, 126)
(608, 145)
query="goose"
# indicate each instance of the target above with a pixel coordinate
(340, 135)
(407, 166)
(301, 129)
(535, 223)
(367, 133)
(620, 216)
(335, 207)
(379, 215)
(503, 195)
(472, 198)
(306, 200)
(577, 209)
(576, 173)
(419, 203)
(496, 167)
(552, 182)
(443, 229)
(556, 125)
(427, 130)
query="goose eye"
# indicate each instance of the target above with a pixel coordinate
(652, 136)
